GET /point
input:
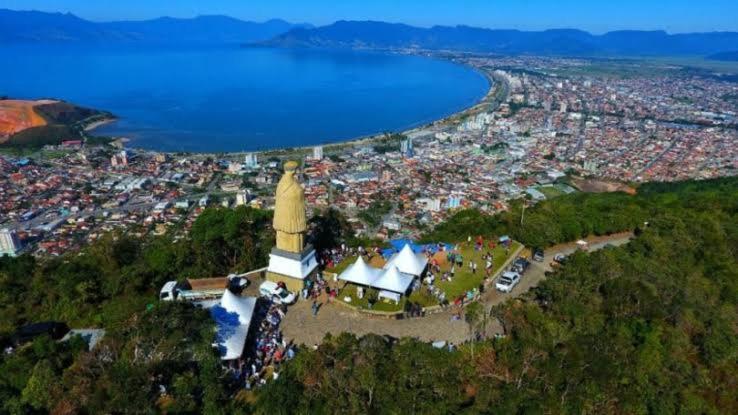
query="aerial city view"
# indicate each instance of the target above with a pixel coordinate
(313, 207)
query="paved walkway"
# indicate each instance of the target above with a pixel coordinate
(303, 327)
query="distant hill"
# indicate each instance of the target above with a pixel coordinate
(33, 26)
(725, 56)
(380, 35)
(36, 123)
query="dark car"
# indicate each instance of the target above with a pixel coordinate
(520, 265)
(27, 333)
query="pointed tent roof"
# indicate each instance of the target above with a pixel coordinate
(232, 318)
(360, 273)
(408, 262)
(394, 280)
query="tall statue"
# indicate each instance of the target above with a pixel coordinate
(289, 211)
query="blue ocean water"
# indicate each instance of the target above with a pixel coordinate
(227, 98)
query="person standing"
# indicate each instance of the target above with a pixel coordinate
(315, 308)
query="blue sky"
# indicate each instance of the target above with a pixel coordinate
(595, 16)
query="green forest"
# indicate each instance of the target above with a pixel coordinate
(650, 327)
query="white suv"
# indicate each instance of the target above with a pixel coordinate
(507, 281)
(274, 292)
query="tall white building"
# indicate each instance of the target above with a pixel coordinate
(251, 160)
(406, 147)
(10, 245)
(318, 153)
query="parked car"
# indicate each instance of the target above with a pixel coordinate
(560, 258)
(237, 283)
(507, 281)
(538, 255)
(520, 265)
(272, 291)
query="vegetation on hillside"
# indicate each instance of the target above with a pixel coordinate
(148, 346)
(376, 211)
(570, 217)
(650, 327)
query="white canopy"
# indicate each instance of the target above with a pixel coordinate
(360, 273)
(233, 318)
(393, 280)
(389, 279)
(408, 262)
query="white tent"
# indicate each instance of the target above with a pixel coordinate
(389, 279)
(360, 273)
(232, 318)
(394, 280)
(408, 262)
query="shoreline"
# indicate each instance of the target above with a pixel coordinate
(369, 139)
(492, 85)
(96, 124)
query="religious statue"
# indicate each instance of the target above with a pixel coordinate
(289, 211)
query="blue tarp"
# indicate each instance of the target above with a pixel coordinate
(398, 244)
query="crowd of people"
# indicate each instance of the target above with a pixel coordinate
(267, 350)
(331, 258)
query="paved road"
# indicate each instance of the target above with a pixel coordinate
(537, 270)
(303, 327)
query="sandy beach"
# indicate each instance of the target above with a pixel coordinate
(91, 126)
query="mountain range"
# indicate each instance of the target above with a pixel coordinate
(381, 35)
(34, 26)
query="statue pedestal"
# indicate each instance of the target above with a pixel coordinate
(291, 268)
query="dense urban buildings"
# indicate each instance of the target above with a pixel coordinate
(549, 126)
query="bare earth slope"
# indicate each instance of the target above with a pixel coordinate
(19, 115)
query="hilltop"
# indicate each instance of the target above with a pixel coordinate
(34, 26)
(34, 123)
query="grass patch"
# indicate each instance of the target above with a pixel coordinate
(54, 154)
(465, 280)
(341, 266)
(423, 298)
(550, 191)
(383, 304)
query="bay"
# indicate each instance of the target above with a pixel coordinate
(228, 98)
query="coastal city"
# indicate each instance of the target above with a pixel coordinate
(547, 127)
(316, 207)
